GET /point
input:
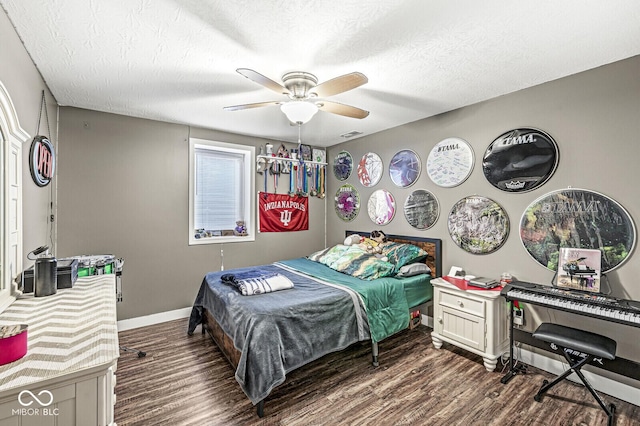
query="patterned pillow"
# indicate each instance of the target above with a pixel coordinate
(354, 261)
(401, 254)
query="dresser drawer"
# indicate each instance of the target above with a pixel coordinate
(462, 303)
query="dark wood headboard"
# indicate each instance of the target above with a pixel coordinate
(433, 246)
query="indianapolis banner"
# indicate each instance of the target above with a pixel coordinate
(283, 213)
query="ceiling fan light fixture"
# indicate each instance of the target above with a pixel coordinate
(299, 112)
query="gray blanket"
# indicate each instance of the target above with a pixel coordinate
(280, 331)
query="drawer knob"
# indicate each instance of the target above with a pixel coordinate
(460, 303)
(440, 320)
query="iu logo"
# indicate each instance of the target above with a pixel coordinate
(42, 160)
(285, 217)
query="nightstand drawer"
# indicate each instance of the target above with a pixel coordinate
(461, 303)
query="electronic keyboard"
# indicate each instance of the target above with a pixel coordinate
(595, 305)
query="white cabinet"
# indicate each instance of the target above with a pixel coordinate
(475, 320)
(67, 376)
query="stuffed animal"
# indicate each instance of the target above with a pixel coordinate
(241, 229)
(353, 239)
(379, 236)
(371, 245)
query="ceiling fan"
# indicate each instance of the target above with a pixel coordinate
(304, 93)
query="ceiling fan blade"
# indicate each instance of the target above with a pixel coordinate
(249, 106)
(340, 84)
(342, 109)
(262, 80)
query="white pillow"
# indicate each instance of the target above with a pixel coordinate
(414, 269)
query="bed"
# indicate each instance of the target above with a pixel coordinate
(265, 336)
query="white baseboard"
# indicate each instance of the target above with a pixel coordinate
(138, 322)
(603, 384)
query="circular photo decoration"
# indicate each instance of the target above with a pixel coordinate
(577, 218)
(520, 160)
(421, 209)
(370, 169)
(404, 168)
(381, 207)
(478, 225)
(342, 165)
(347, 202)
(450, 162)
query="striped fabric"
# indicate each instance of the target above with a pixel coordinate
(72, 330)
(260, 285)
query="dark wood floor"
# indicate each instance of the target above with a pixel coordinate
(185, 380)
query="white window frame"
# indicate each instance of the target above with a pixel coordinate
(11, 140)
(249, 153)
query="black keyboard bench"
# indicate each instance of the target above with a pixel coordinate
(579, 348)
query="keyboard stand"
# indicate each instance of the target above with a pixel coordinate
(622, 366)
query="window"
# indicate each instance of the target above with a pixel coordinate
(221, 191)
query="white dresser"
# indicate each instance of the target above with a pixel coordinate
(67, 376)
(472, 319)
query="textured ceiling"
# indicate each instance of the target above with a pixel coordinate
(175, 60)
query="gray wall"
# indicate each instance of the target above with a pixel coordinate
(25, 85)
(123, 189)
(594, 117)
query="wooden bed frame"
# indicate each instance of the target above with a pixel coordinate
(432, 246)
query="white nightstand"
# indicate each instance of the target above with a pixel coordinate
(470, 318)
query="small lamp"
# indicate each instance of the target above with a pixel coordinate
(299, 112)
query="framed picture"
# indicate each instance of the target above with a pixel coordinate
(319, 155)
(305, 152)
(579, 269)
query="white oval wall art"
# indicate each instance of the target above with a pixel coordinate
(381, 207)
(450, 162)
(370, 169)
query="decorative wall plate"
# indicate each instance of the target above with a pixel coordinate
(342, 165)
(421, 209)
(42, 160)
(450, 162)
(577, 218)
(347, 201)
(381, 207)
(478, 225)
(405, 168)
(370, 169)
(520, 160)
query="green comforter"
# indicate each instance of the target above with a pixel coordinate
(383, 298)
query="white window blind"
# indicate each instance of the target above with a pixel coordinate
(219, 189)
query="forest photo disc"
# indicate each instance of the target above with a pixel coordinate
(577, 218)
(478, 225)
